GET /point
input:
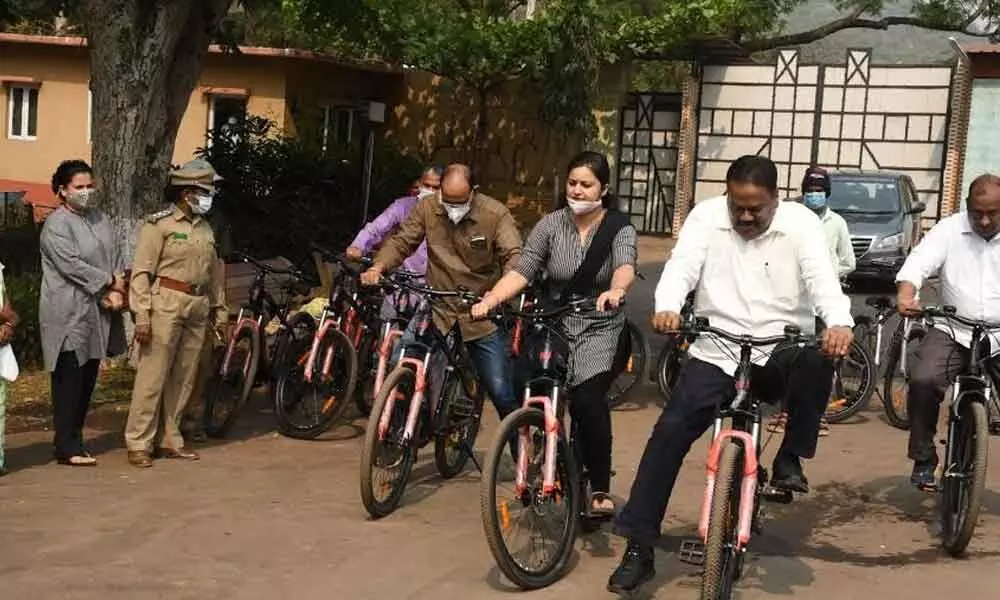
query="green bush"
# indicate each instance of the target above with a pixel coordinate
(23, 291)
(278, 194)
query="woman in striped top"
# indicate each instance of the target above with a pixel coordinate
(598, 340)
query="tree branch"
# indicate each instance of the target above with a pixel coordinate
(854, 21)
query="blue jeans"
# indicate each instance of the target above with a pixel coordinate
(492, 361)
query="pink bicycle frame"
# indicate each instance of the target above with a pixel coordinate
(242, 322)
(420, 370)
(389, 338)
(747, 492)
(548, 406)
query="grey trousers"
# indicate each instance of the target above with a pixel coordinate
(934, 365)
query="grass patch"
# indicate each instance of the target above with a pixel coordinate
(32, 388)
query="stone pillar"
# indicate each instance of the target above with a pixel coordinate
(687, 148)
(958, 133)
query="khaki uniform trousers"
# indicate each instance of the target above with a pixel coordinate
(192, 419)
(166, 372)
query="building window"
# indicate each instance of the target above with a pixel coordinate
(22, 113)
(340, 125)
(224, 112)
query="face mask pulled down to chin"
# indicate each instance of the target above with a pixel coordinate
(582, 207)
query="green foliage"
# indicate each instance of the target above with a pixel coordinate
(23, 291)
(277, 194)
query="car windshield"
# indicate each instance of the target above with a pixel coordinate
(875, 196)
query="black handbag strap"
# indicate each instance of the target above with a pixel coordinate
(600, 248)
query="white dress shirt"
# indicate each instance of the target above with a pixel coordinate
(839, 238)
(969, 270)
(754, 286)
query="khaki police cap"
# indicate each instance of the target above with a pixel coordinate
(196, 173)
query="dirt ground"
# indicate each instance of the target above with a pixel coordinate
(261, 516)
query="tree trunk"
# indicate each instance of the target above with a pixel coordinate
(145, 59)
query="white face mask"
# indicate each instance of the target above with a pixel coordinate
(202, 204)
(456, 212)
(582, 207)
(423, 192)
(80, 199)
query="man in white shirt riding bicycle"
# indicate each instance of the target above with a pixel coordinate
(755, 267)
(964, 251)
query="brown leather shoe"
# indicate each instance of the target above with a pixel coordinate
(177, 453)
(138, 458)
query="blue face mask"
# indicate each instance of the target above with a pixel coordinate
(814, 200)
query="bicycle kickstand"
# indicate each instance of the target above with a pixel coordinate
(472, 455)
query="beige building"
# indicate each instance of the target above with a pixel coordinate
(47, 102)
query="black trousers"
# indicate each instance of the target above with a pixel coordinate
(72, 387)
(591, 417)
(935, 363)
(805, 373)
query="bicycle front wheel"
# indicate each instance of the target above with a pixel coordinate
(229, 394)
(722, 556)
(964, 479)
(304, 410)
(505, 508)
(896, 384)
(854, 382)
(389, 454)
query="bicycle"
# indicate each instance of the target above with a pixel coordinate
(406, 416)
(552, 479)
(240, 367)
(963, 476)
(894, 389)
(317, 391)
(737, 483)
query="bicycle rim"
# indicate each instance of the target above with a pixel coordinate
(963, 481)
(721, 555)
(502, 509)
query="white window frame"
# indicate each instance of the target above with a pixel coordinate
(330, 112)
(212, 97)
(25, 112)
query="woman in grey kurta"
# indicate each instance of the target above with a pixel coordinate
(557, 246)
(79, 314)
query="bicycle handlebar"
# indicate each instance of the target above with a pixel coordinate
(791, 334)
(949, 312)
(340, 257)
(573, 305)
(431, 293)
(266, 268)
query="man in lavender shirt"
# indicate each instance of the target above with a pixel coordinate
(384, 225)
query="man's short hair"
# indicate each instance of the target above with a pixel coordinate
(979, 184)
(758, 170)
(458, 169)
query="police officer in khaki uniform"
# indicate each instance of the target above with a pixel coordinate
(176, 292)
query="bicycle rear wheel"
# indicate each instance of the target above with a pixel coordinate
(668, 366)
(963, 481)
(635, 367)
(722, 558)
(228, 395)
(388, 452)
(460, 420)
(497, 505)
(854, 382)
(367, 364)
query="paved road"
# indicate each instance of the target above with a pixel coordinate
(267, 517)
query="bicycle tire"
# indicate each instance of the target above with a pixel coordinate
(378, 509)
(635, 369)
(300, 327)
(219, 429)
(862, 396)
(450, 466)
(565, 467)
(973, 428)
(331, 412)
(668, 367)
(720, 574)
(892, 405)
(367, 364)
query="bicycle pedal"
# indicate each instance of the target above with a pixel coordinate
(777, 496)
(692, 552)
